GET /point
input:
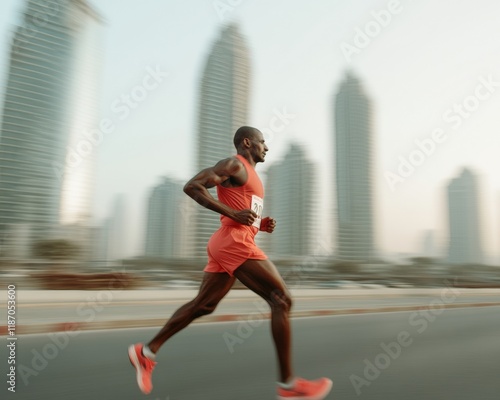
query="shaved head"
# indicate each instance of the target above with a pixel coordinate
(243, 133)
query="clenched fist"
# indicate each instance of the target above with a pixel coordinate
(245, 217)
(268, 224)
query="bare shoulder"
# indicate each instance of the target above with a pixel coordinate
(234, 170)
(229, 166)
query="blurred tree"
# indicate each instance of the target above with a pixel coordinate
(346, 267)
(422, 261)
(56, 249)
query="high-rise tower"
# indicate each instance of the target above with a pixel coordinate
(223, 108)
(290, 199)
(353, 172)
(49, 107)
(465, 239)
(166, 225)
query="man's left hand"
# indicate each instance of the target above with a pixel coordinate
(268, 224)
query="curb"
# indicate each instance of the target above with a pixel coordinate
(75, 327)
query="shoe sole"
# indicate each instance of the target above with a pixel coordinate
(132, 356)
(320, 396)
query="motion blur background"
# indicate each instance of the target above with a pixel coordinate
(382, 122)
(381, 118)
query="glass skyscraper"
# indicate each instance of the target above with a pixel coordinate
(166, 221)
(291, 199)
(49, 109)
(465, 237)
(353, 172)
(223, 108)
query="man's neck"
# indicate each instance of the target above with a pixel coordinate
(247, 157)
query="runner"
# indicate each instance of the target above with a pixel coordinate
(232, 254)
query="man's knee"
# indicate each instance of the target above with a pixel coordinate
(281, 300)
(201, 309)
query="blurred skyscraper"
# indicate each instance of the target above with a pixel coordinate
(290, 198)
(465, 236)
(100, 235)
(353, 172)
(166, 225)
(428, 244)
(117, 229)
(49, 106)
(110, 238)
(223, 108)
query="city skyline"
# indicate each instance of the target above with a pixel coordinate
(421, 78)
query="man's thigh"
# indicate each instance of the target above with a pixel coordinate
(262, 277)
(214, 287)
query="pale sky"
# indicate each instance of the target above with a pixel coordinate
(430, 56)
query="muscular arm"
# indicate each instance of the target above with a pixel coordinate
(223, 171)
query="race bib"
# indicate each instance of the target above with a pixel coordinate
(257, 207)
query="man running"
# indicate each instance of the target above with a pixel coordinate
(232, 254)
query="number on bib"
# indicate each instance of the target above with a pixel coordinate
(257, 207)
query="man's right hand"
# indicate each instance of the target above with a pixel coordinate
(245, 217)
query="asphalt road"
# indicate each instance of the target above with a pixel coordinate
(451, 355)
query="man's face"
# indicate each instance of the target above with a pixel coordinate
(258, 147)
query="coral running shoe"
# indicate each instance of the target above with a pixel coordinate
(143, 366)
(306, 390)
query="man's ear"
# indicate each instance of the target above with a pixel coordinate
(247, 143)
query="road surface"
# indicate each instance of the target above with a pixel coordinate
(453, 354)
